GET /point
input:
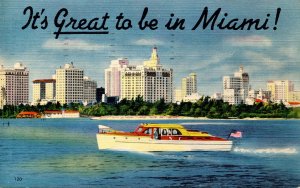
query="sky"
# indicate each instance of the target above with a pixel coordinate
(265, 54)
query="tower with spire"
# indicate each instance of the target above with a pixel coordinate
(154, 61)
(150, 80)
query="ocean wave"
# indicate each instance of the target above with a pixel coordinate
(267, 150)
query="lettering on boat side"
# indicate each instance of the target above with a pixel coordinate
(66, 24)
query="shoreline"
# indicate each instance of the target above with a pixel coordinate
(147, 118)
(175, 118)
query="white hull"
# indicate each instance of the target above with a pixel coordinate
(146, 144)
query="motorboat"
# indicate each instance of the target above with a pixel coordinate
(160, 137)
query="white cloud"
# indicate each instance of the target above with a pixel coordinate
(74, 44)
(217, 58)
(2, 61)
(214, 59)
(250, 41)
(148, 42)
(262, 60)
(290, 52)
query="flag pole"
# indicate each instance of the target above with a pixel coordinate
(229, 134)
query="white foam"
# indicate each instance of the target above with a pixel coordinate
(267, 150)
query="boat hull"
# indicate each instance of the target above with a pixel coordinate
(146, 144)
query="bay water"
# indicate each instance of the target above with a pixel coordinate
(64, 153)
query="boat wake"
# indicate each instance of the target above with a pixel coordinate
(266, 150)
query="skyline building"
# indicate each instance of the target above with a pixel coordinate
(188, 90)
(189, 85)
(14, 84)
(294, 96)
(113, 77)
(90, 87)
(99, 93)
(236, 87)
(43, 89)
(151, 80)
(177, 96)
(69, 84)
(259, 95)
(280, 90)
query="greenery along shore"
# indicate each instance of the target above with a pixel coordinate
(204, 107)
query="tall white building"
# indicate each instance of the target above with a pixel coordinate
(189, 85)
(14, 84)
(43, 89)
(113, 77)
(90, 87)
(177, 96)
(69, 84)
(150, 80)
(236, 87)
(280, 90)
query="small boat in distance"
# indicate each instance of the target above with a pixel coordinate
(160, 137)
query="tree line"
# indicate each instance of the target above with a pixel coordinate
(204, 107)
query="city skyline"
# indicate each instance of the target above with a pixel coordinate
(265, 55)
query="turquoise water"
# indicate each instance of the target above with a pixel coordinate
(63, 153)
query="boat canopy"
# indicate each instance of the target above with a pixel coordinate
(103, 127)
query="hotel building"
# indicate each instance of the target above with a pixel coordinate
(151, 80)
(113, 77)
(14, 84)
(280, 90)
(90, 87)
(189, 85)
(69, 84)
(188, 91)
(236, 87)
(44, 89)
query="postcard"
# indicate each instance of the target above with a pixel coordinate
(149, 93)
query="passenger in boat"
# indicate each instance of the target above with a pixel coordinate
(148, 131)
(156, 134)
(176, 132)
(164, 132)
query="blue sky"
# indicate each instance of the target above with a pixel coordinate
(265, 55)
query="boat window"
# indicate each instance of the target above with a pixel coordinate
(148, 131)
(176, 132)
(164, 132)
(140, 129)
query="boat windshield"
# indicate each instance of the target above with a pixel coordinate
(104, 129)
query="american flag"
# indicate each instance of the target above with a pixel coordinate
(236, 134)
